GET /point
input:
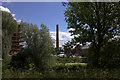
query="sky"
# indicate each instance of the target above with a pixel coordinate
(48, 13)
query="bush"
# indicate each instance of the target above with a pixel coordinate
(91, 57)
(12, 74)
(64, 71)
(25, 59)
(110, 56)
(22, 59)
(63, 67)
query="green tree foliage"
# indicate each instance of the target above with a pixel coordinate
(93, 22)
(68, 46)
(22, 59)
(9, 26)
(110, 56)
(40, 41)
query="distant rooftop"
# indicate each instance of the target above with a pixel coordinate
(85, 47)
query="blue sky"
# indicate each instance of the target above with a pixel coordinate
(48, 13)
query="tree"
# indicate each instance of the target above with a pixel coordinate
(110, 56)
(93, 22)
(68, 46)
(40, 42)
(9, 26)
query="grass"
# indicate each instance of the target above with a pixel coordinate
(82, 64)
(64, 71)
(83, 73)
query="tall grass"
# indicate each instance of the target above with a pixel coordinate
(64, 71)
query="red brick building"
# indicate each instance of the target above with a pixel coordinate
(16, 42)
(79, 50)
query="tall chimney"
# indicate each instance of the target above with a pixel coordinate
(57, 37)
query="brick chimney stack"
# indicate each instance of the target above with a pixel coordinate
(57, 37)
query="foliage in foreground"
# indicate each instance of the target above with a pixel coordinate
(41, 43)
(93, 22)
(24, 60)
(109, 56)
(64, 71)
(69, 60)
(9, 26)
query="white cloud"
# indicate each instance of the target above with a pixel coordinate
(34, 0)
(8, 0)
(4, 9)
(71, 29)
(14, 18)
(18, 20)
(13, 15)
(7, 10)
(63, 37)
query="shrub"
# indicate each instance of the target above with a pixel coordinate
(22, 59)
(91, 56)
(110, 56)
(63, 67)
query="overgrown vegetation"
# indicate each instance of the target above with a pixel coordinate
(22, 59)
(39, 48)
(109, 56)
(69, 60)
(37, 54)
(9, 26)
(92, 22)
(65, 71)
